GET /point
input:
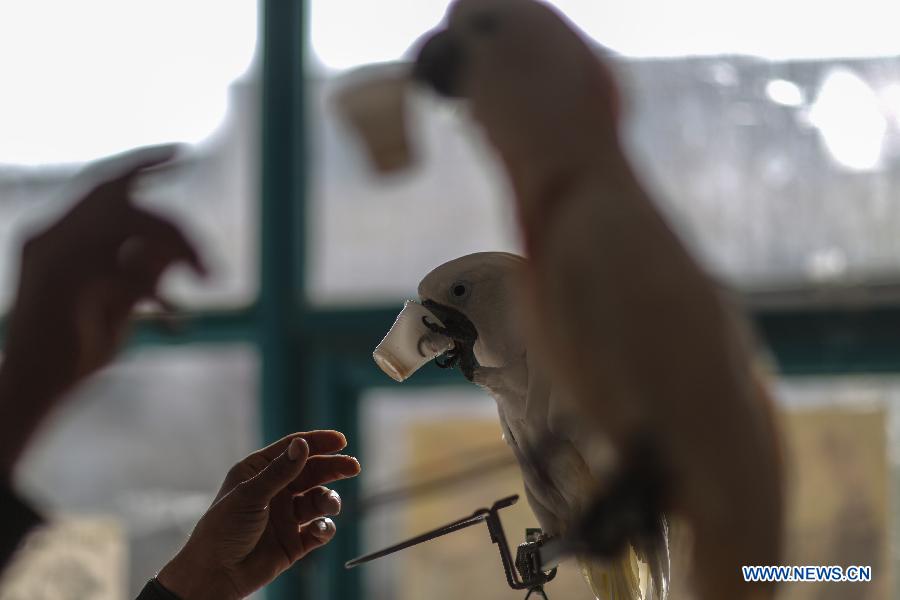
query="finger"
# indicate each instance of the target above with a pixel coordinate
(316, 502)
(309, 536)
(140, 272)
(278, 475)
(164, 238)
(118, 170)
(293, 542)
(316, 534)
(320, 441)
(139, 266)
(324, 441)
(324, 469)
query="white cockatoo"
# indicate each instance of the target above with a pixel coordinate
(651, 357)
(478, 301)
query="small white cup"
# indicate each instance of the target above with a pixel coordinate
(410, 344)
(373, 103)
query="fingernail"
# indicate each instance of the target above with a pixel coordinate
(355, 468)
(334, 500)
(323, 526)
(295, 448)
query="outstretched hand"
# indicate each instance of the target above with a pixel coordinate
(270, 512)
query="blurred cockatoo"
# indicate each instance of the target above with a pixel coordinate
(651, 356)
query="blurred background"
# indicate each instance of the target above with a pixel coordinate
(769, 132)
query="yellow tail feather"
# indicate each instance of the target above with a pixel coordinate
(619, 580)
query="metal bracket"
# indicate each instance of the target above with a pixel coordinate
(525, 573)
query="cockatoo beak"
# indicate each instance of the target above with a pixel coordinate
(439, 64)
(411, 343)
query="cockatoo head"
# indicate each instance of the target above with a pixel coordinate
(478, 299)
(531, 79)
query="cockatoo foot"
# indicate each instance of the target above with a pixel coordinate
(631, 508)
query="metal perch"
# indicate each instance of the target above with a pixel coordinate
(525, 573)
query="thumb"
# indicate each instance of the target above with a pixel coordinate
(278, 474)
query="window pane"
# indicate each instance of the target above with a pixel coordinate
(842, 441)
(772, 152)
(147, 444)
(843, 448)
(780, 173)
(118, 85)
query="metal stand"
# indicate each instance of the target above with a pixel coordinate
(523, 574)
(528, 563)
(536, 590)
(631, 508)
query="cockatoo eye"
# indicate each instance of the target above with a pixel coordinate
(484, 23)
(459, 290)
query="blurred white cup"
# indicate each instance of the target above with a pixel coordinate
(373, 103)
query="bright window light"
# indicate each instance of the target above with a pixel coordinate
(849, 117)
(94, 77)
(786, 93)
(349, 33)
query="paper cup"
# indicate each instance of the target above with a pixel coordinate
(374, 105)
(410, 344)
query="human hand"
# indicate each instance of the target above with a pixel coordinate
(81, 277)
(79, 281)
(269, 513)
